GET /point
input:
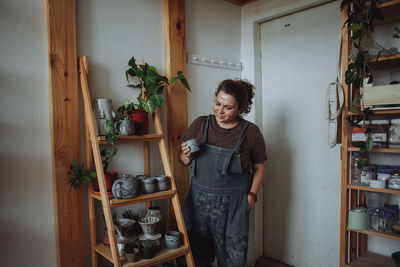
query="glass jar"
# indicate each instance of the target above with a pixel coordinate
(394, 134)
(379, 133)
(375, 219)
(367, 174)
(355, 171)
(358, 133)
(383, 174)
(394, 181)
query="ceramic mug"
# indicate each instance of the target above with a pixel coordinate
(193, 144)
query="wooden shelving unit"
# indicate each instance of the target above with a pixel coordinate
(93, 143)
(353, 243)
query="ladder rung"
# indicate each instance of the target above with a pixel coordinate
(132, 138)
(114, 202)
(161, 256)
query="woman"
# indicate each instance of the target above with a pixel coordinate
(227, 174)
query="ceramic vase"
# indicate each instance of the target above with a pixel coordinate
(126, 186)
(102, 109)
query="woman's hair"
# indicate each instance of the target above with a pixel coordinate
(241, 90)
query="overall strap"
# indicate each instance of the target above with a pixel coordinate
(205, 132)
(236, 150)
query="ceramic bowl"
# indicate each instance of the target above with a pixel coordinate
(172, 239)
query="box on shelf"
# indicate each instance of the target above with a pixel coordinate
(381, 97)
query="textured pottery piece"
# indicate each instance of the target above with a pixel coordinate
(148, 225)
(126, 186)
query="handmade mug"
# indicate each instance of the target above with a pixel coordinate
(193, 144)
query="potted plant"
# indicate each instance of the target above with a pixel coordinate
(151, 83)
(125, 126)
(147, 248)
(79, 174)
(131, 252)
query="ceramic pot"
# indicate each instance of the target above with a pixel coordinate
(172, 239)
(110, 177)
(148, 185)
(141, 119)
(156, 240)
(125, 127)
(148, 225)
(126, 186)
(123, 228)
(156, 212)
(147, 252)
(102, 109)
(106, 240)
(132, 256)
(162, 182)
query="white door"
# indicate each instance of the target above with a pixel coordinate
(302, 189)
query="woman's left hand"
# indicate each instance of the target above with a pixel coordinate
(251, 202)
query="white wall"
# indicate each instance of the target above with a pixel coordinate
(27, 220)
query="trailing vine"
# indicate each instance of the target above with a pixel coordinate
(361, 16)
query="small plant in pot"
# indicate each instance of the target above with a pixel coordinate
(147, 249)
(125, 126)
(131, 252)
(151, 83)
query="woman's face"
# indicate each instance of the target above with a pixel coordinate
(225, 109)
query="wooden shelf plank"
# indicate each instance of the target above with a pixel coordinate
(385, 62)
(378, 112)
(391, 11)
(372, 260)
(367, 188)
(377, 150)
(132, 138)
(114, 202)
(387, 234)
(161, 256)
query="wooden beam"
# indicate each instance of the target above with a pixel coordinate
(174, 20)
(65, 137)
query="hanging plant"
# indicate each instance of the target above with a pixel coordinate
(362, 14)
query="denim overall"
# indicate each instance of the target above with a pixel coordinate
(216, 211)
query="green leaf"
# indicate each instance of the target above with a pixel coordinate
(362, 163)
(132, 63)
(356, 35)
(135, 86)
(158, 99)
(148, 106)
(357, 99)
(355, 27)
(139, 73)
(369, 144)
(174, 80)
(183, 80)
(351, 66)
(354, 109)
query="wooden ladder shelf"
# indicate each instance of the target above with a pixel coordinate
(93, 154)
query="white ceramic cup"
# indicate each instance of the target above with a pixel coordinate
(193, 144)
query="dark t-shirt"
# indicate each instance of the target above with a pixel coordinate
(252, 149)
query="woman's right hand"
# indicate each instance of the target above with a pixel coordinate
(185, 155)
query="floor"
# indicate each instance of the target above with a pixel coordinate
(268, 262)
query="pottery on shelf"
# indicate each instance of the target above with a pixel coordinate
(156, 238)
(126, 186)
(132, 255)
(172, 239)
(156, 212)
(162, 182)
(125, 127)
(123, 228)
(102, 109)
(148, 225)
(148, 185)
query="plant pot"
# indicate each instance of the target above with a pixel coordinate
(141, 119)
(147, 252)
(106, 240)
(132, 256)
(126, 186)
(125, 127)
(172, 239)
(110, 177)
